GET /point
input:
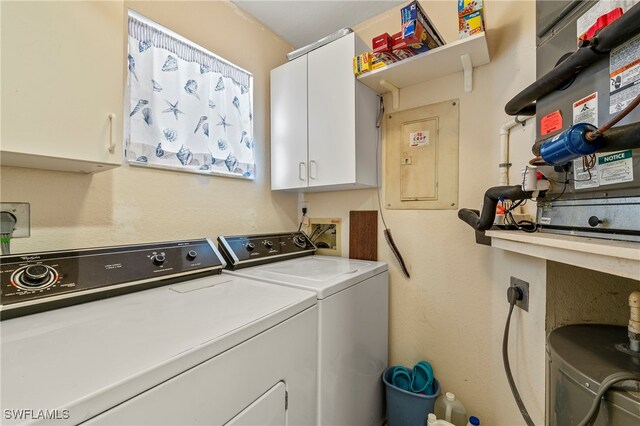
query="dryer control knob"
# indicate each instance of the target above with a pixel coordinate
(192, 255)
(299, 241)
(250, 246)
(159, 259)
(35, 275)
(268, 244)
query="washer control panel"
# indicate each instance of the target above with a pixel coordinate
(39, 281)
(249, 250)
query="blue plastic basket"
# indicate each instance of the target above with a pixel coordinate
(407, 408)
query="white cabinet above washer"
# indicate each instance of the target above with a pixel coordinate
(323, 133)
(62, 79)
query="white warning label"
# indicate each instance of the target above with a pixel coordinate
(584, 178)
(624, 69)
(610, 168)
(615, 167)
(586, 110)
(419, 138)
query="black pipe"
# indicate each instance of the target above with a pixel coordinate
(621, 30)
(621, 137)
(484, 221)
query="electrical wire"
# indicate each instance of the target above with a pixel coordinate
(387, 232)
(606, 384)
(513, 297)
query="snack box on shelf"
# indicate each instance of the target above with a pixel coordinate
(470, 24)
(362, 63)
(412, 12)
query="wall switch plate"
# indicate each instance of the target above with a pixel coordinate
(22, 212)
(524, 287)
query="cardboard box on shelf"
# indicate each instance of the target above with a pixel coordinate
(381, 43)
(470, 17)
(386, 58)
(412, 12)
(362, 63)
(465, 7)
(470, 24)
(417, 38)
(400, 48)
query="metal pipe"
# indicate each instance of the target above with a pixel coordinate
(623, 29)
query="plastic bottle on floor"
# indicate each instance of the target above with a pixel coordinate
(447, 407)
(473, 421)
(432, 420)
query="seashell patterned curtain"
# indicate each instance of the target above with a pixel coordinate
(188, 108)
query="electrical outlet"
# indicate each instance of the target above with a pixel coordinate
(22, 212)
(524, 288)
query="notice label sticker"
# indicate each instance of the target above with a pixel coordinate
(586, 110)
(615, 167)
(551, 123)
(419, 138)
(624, 73)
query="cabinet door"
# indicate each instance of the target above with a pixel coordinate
(62, 75)
(289, 125)
(332, 113)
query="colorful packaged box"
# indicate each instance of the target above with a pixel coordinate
(385, 58)
(470, 17)
(362, 63)
(466, 7)
(400, 48)
(470, 24)
(381, 43)
(412, 12)
(415, 35)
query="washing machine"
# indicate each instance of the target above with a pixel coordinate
(352, 317)
(178, 343)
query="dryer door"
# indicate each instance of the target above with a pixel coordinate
(268, 410)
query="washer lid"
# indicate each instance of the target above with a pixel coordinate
(325, 275)
(90, 357)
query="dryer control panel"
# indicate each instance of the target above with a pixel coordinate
(34, 282)
(241, 251)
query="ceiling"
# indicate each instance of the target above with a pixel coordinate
(303, 22)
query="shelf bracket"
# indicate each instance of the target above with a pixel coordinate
(395, 92)
(468, 72)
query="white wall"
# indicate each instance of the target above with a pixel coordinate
(129, 205)
(452, 310)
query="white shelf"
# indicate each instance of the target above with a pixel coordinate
(461, 55)
(619, 258)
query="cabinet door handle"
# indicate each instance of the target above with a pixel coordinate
(300, 175)
(112, 144)
(313, 165)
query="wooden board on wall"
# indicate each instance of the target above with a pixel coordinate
(363, 234)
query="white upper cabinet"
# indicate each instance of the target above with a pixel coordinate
(289, 125)
(62, 79)
(323, 134)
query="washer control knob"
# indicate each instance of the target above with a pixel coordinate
(250, 246)
(299, 241)
(192, 255)
(595, 221)
(159, 259)
(35, 275)
(268, 243)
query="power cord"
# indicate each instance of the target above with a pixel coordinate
(304, 213)
(7, 224)
(513, 295)
(606, 384)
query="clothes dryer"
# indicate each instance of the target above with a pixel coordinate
(352, 317)
(200, 348)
